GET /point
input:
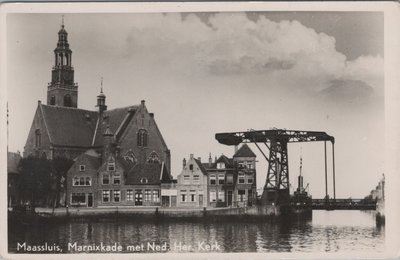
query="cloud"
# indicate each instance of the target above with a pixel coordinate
(287, 54)
(347, 90)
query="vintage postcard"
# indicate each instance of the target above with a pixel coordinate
(200, 130)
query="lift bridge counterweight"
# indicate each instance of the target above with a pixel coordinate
(276, 188)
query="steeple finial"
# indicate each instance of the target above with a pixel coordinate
(62, 21)
(101, 85)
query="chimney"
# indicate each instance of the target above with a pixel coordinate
(191, 156)
(184, 163)
(199, 158)
(142, 102)
(151, 115)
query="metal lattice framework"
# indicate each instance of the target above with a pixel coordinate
(276, 189)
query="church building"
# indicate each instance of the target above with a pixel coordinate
(113, 147)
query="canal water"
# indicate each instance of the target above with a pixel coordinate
(327, 231)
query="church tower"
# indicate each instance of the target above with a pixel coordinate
(62, 90)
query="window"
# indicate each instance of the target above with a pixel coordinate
(192, 195)
(241, 195)
(250, 180)
(213, 195)
(241, 178)
(106, 179)
(220, 165)
(106, 196)
(191, 167)
(147, 195)
(221, 179)
(75, 181)
(129, 195)
(143, 180)
(212, 179)
(88, 181)
(117, 179)
(241, 165)
(117, 196)
(78, 198)
(38, 138)
(250, 165)
(111, 166)
(156, 195)
(67, 101)
(82, 181)
(52, 100)
(130, 156)
(221, 196)
(196, 178)
(153, 158)
(229, 179)
(183, 195)
(82, 168)
(141, 137)
(186, 178)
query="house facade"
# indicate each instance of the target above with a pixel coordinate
(232, 181)
(113, 180)
(192, 184)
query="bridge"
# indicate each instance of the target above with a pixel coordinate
(276, 189)
(349, 204)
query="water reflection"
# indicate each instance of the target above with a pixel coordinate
(328, 231)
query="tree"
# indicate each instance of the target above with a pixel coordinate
(35, 181)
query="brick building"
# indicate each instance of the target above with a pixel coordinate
(232, 181)
(129, 136)
(192, 184)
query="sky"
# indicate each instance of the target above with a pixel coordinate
(205, 73)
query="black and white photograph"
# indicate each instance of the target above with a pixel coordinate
(153, 131)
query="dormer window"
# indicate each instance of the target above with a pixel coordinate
(220, 165)
(144, 180)
(111, 166)
(82, 168)
(153, 158)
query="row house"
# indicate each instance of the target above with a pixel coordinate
(192, 184)
(232, 181)
(113, 180)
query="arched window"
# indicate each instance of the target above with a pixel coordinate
(130, 156)
(141, 137)
(38, 138)
(67, 101)
(153, 158)
(52, 100)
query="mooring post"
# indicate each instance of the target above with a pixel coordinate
(326, 176)
(333, 168)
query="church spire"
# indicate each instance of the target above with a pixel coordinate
(101, 98)
(62, 90)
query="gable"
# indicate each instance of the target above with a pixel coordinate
(244, 151)
(38, 124)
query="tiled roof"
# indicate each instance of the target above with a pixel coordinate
(69, 126)
(113, 119)
(12, 162)
(150, 171)
(93, 158)
(244, 151)
(77, 127)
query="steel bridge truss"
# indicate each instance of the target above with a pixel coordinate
(276, 188)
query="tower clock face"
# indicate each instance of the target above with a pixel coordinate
(67, 76)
